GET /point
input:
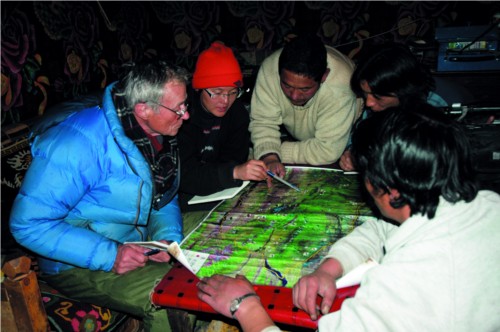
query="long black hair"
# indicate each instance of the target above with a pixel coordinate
(419, 151)
(393, 69)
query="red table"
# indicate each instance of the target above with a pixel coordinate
(178, 290)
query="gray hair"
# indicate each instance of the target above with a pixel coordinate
(146, 81)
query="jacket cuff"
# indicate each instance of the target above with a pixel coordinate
(226, 175)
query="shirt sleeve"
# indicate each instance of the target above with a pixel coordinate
(365, 241)
(265, 114)
(166, 224)
(55, 183)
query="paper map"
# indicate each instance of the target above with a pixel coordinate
(275, 235)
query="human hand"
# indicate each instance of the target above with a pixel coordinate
(346, 162)
(274, 164)
(254, 170)
(219, 291)
(128, 258)
(277, 168)
(309, 287)
(162, 256)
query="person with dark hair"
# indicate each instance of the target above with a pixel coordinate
(104, 176)
(303, 88)
(436, 253)
(214, 143)
(391, 76)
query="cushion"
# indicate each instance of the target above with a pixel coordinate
(66, 314)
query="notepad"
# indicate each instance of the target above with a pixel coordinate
(218, 196)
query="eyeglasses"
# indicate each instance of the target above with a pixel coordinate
(179, 113)
(235, 94)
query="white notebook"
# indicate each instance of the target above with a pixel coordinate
(218, 196)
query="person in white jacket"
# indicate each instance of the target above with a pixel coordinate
(437, 247)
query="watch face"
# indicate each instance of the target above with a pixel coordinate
(234, 305)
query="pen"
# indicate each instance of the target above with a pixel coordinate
(152, 252)
(274, 176)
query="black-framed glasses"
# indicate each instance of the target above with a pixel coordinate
(235, 94)
(179, 113)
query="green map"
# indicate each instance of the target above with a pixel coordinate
(275, 235)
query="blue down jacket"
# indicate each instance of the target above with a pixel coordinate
(87, 190)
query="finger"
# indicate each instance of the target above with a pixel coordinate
(217, 278)
(310, 302)
(280, 170)
(214, 281)
(205, 287)
(136, 247)
(326, 303)
(261, 166)
(269, 182)
(136, 261)
(261, 174)
(342, 161)
(162, 257)
(201, 285)
(275, 168)
(134, 257)
(204, 296)
(299, 295)
(295, 295)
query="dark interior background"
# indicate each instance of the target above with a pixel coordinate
(54, 51)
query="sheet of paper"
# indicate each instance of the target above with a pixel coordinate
(176, 251)
(218, 196)
(195, 259)
(354, 277)
(151, 244)
(172, 248)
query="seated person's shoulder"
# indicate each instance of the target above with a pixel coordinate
(339, 61)
(489, 196)
(63, 111)
(271, 61)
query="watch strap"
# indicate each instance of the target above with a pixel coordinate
(238, 302)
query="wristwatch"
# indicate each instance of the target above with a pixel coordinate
(235, 304)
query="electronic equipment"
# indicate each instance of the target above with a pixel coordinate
(460, 111)
(471, 48)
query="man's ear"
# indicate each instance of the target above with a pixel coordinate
(393, 194)
(142, 110)
(325, 75)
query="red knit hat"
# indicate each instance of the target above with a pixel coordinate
(217, 67)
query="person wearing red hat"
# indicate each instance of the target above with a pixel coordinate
(214, 143)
